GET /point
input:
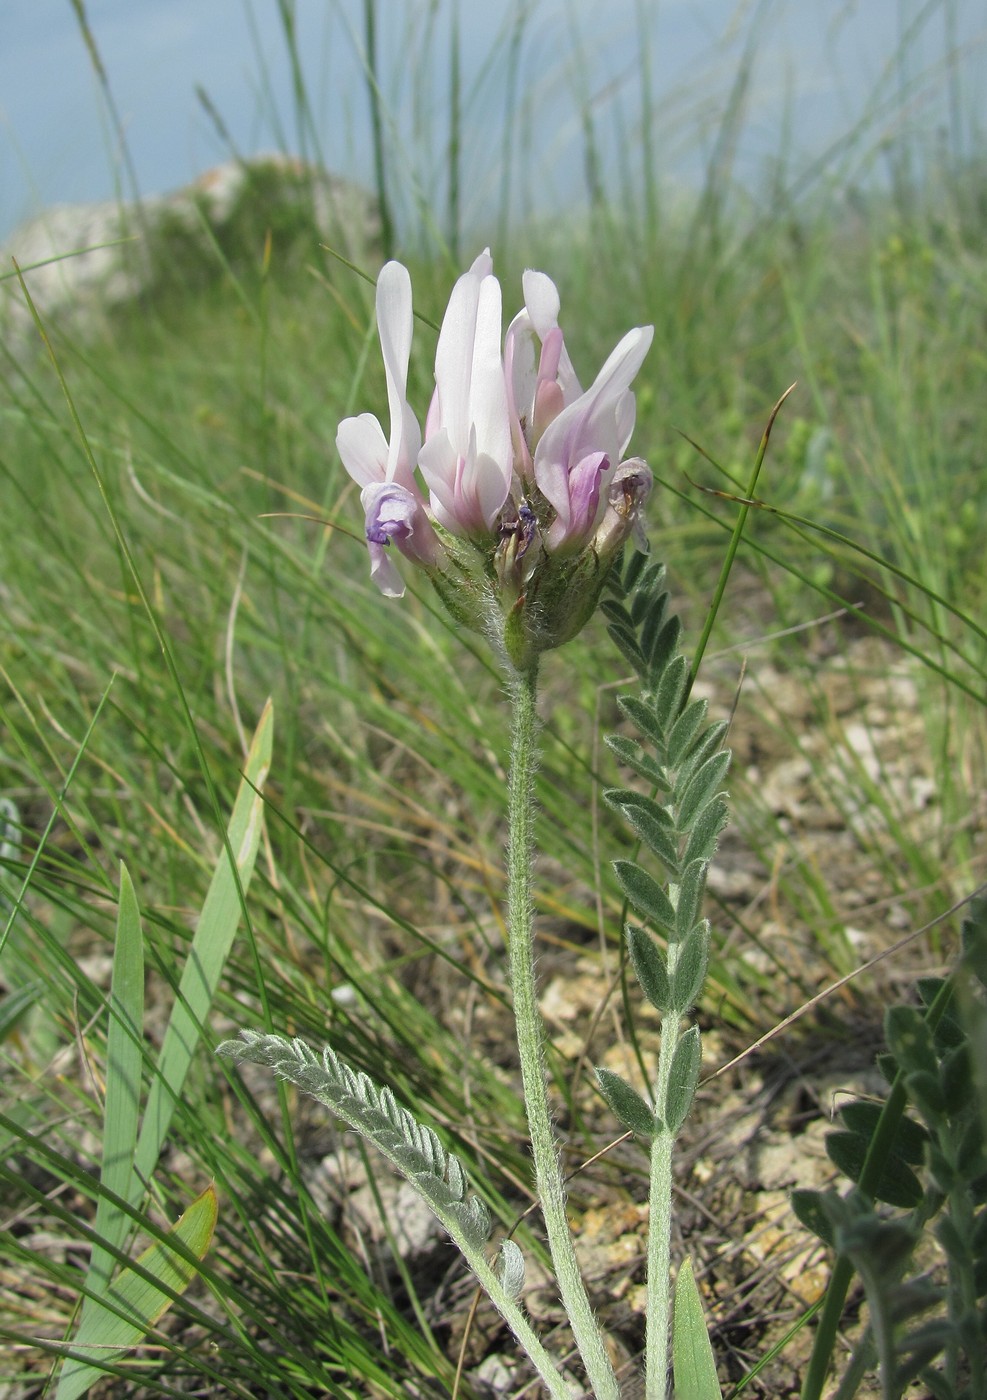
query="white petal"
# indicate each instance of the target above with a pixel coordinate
(622, 364)
(439, 463)
(482, 265)
(488, 389)
(454, 358)
(625, 416)
(395, 324)
(384, 574)
(488, 486)
(541, 299)
(362, 447)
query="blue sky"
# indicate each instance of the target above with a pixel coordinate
(820, 65)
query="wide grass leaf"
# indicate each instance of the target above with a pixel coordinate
(129, 1160)
(123, 1083)
(120, 1118)
(692, 1351)
(143, 1293)
(210, 948)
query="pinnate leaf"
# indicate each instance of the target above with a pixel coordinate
(411, 1147)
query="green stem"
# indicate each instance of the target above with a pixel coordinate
(548, 1175)
(659, 1292)
(515, 1318)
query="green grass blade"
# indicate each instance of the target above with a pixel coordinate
(121, 1115)
(695, 1368)
(734, 545)
(210, 948)
(142, 1294)
(17, 1003)
(123, 1082)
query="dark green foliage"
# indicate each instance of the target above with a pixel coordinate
(933, 1170)
(861, 1116)
(898, 1184)
(910, 1040)
(810, 1212)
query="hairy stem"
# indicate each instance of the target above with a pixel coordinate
(659, 1291)
(516, 1320)
(548, 1175)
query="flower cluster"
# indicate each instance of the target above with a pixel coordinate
(523, 499)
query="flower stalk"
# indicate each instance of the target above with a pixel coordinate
(530, 1038)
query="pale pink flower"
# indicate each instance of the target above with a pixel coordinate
(384, 468)
(581, 448)
(467, 458)
(521, 464)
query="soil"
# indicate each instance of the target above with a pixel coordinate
(763, 1110)
(839, 791)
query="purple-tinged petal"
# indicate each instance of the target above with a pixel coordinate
(575, 522)
(590, 422)
(540, 377)
(395, 515)
(391, 512)
(542, 303)
(383, 572)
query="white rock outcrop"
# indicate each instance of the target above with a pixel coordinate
(82, 261)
